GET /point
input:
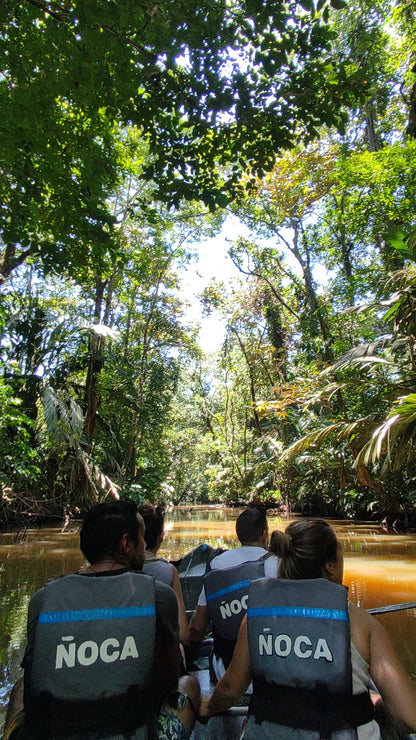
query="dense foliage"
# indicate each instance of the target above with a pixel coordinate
(130, 132)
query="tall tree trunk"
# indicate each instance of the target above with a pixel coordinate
(373, 141)
(411, 126)
(95, 365)
(252, 382)
(310, 292)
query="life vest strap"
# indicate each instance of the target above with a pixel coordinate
(52, 717)
(309, 709)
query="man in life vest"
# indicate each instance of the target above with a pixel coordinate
(102, 657)
(223, 598)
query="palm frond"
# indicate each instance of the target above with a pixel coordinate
(340, 429)
(359, 356)
(64, 418)
(399, 427)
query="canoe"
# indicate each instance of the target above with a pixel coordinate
(191, 569)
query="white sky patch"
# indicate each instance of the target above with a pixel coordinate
(215, 264)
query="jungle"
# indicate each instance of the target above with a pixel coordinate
(131, 134)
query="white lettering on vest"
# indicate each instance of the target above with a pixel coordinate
(302, 639)
(88, 652)
(282, 645)
(225, 610)
(233, 607)
(105, 655)
(302, 647)
(64, 654)
(129, 649)
(265, 644)
(322, 650)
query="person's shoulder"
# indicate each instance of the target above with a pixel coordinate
(164, 593)
(362, 620)
(247, 553)
(166, 604)
(364, 628)
(271, 565)
(228, 559)
(49, 584)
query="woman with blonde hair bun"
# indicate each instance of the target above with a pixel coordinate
(310, 653)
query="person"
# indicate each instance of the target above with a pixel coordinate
(310, 653)
(224, 594)
(102, 655)
(154, 518)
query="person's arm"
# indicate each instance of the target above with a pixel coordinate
(392, 681)
(198, 625)
(183, 621)
(167, 657)
(234, 682)
(169, 671)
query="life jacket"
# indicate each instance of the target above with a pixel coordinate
(160, 569)
(299, 643)
(93, 656)
(226, 594)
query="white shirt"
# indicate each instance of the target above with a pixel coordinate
(243, 554)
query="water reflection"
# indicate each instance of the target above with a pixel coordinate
(379, 570)
(25, 566)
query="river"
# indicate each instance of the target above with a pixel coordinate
(379, 568)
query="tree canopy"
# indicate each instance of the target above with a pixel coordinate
(212, 87)
(130, 132)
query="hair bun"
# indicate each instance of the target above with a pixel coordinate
(279, 543)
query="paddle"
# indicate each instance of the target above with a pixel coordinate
(392, 608)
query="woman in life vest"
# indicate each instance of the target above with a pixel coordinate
(310, 653)
(154, 519)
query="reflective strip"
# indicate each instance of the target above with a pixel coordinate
(84, 615)
(229, 589)
(297, 611)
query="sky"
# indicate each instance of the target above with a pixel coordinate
(213, 263)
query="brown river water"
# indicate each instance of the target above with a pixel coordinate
(379, 568)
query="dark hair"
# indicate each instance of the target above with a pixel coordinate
(304, 548)
(154, 517)
(251, 524)
(276, 543)
(103, 527)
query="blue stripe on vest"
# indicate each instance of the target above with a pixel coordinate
(229, 589)
(297, 611)
(83, 615)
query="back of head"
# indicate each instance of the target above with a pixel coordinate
(304, 548)
(251, 524)
(104, 526)
(154, 517)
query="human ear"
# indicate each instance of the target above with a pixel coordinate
(328, 570)
(125, 545)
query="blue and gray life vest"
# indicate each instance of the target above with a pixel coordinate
(299, 643)
(93, 655)
(160, 569)
(226, 594)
